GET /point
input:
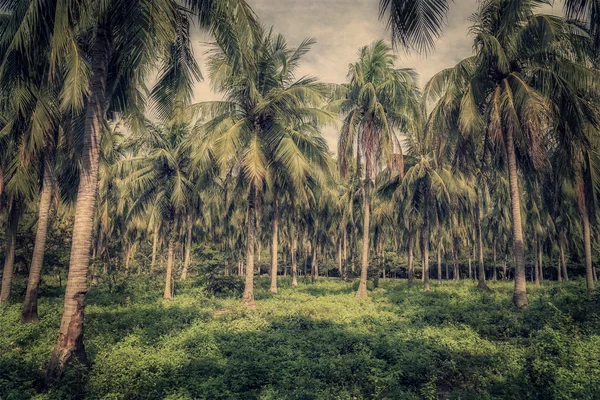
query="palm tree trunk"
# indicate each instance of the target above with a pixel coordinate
(248, 297)
(439, 261)
(168, 295)
(558, 270)
(537, 263)
(188, 247)
(294, 253)
(520, 294)
(345, 255)
(128, 257)
(481, 267)
(154, 246)
(362, 287)
(585, 218)
(563, 258)
(70, 340)
(274, 245)
(411, 271)
(470, 268)
(29, 313)
(314, 265)
(495, 274)
(425, 251)
(11, 243)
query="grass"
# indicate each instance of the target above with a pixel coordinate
(315, 342)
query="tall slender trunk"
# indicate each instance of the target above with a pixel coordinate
(70, 339)
(248, 297)
(294, 252)
(11, 242)
(274, 245)
(154, 246)
(563, 257)
(538, 262)
(481, 267)
(411, 264)
(29, 312)
(314, 266)
(495, 272)
(520, 294)
(168, 295)
(188, 247)
(504, 274)
(425, 250)
(558, 270)
(470, 268)
(439, 261)
(339, 257)
(127, 257)
(585, 219)
(362, 287)
(455, 263)
(345, 254)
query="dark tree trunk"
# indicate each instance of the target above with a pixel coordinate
(11, 243)
(411, 265)
(585, 219)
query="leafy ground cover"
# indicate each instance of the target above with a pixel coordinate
(314, 342)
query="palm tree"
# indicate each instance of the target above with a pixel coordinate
(380, 100)
(418, 23)
(500, 99)
(260, 128)
(126, 39)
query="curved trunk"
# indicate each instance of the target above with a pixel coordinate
(520, 294)
(362, 286)
(29, 313)
(11, 242)
(248, 297)
(274, 245)
(537, 262)
(70, 339)
(188, 248)
(168, 295)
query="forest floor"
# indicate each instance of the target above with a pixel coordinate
(315, 341)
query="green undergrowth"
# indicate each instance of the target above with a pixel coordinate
(315, 341)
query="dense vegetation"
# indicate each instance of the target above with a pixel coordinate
(316, 342)
(489, 172)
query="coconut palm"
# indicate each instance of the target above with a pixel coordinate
(380, 101)
(260, 128)
(418, 23)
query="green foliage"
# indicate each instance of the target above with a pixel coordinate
(315, 342)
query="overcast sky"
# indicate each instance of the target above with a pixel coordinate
(341, 27)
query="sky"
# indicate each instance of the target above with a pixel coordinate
(341, 27)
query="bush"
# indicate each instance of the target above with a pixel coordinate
(224, 286)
